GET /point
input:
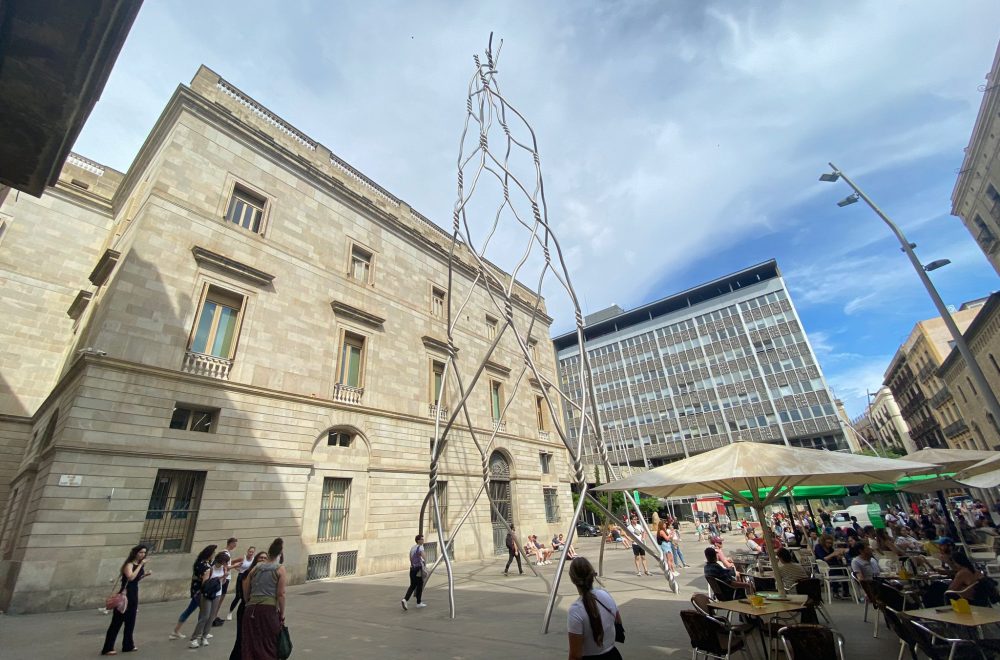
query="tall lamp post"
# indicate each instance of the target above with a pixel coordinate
(992, 405)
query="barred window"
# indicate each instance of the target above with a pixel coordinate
(551, 504)
(334, 509)
(173, 511)
(545, 458)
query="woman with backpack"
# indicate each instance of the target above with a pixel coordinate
(208, 607)
(133, 570)
(200, 567)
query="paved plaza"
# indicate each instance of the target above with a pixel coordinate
(497, 617)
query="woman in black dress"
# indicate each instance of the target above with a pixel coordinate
(133, 570)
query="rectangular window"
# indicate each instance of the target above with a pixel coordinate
(437, 302)
(333, 509)
(442, 493)
(437, 383)
(540, 413)
(545, 459)
(551, 504)
(491, 327)
(186, 418)
(351, 356)
(218, 323)
(361, 265)
(246, 209)
(496, 399)
(173, 511)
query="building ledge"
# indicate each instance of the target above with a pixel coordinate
(497, 368)
(79, 304)
(435, 344)
(361, 316)
(104, 266)
(232, 267)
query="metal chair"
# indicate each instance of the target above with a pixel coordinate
(871, 598)
(938, 647)
(808, 641)
(976, 593)
(906, 638)
(829, 577)
(812, 589)
(725, 591)
(703, 604)
(707, 635)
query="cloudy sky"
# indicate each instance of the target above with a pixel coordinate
(680, 141)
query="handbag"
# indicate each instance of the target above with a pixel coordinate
(117, 601)
(619, 626)
(284, 643)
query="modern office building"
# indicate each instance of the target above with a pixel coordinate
(243, 335)
(926, 403)
(976, 197)
(722, 362)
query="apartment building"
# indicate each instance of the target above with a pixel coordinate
(926, 404)
(976, 197)
(983, 338)
(725, 361)
(243, 335)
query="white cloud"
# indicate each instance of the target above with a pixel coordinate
(852, 382)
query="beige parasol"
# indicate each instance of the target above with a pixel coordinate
(950, 460)
(984, 474)
(753, 466)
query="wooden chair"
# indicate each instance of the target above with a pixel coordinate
(807, 641)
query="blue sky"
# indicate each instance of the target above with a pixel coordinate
(680, 141)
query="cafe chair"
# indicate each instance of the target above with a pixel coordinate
(976, 593)
(812, 589)
(830, 576)
(703, 604)
(808, 641)
(723, 590)
(710, 637)
(907, 640)
(938, 647)
(871, 598)
(896, 598)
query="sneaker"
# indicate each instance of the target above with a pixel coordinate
(421, 604)
(194, 643)
(638, 574)
(403, 603)
(505, 573)
(648, 573)
(229, 617)
(204, 640)
(676, 574)
(177, 635)
(217, 623)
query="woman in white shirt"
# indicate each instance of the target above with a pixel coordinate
(591, 619)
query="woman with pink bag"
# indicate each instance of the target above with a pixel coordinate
(133, 570)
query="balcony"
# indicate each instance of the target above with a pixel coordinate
(955, 428)
(347, 393)
(925, 372)
(206, 365)
(942, 396)
(987, 241)
(543, 435)
(437, 412)
(499, 425)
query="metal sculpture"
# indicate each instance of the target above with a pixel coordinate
(520, 200)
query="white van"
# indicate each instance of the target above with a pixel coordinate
(867, 514)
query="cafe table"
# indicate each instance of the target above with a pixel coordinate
(978, 616)
(772, 607)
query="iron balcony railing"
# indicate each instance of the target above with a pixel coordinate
(955, 428)
(942, 396)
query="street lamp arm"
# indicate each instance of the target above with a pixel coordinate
(974, 370)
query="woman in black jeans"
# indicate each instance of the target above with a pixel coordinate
(133, 570)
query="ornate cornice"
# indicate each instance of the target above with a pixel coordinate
(232, 267)
(361, 316)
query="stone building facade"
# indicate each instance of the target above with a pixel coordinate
(983, 339)
(976, 197)
(722, 362)
(243, 336)
(887, 424)
(925, 402)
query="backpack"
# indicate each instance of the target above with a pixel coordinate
(211, 587)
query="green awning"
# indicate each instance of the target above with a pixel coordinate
(892, 488)
(804, 492)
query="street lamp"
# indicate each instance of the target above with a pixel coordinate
(992, 405)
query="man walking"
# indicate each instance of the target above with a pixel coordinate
(637, 552)
(417, 561)
(513, 551)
